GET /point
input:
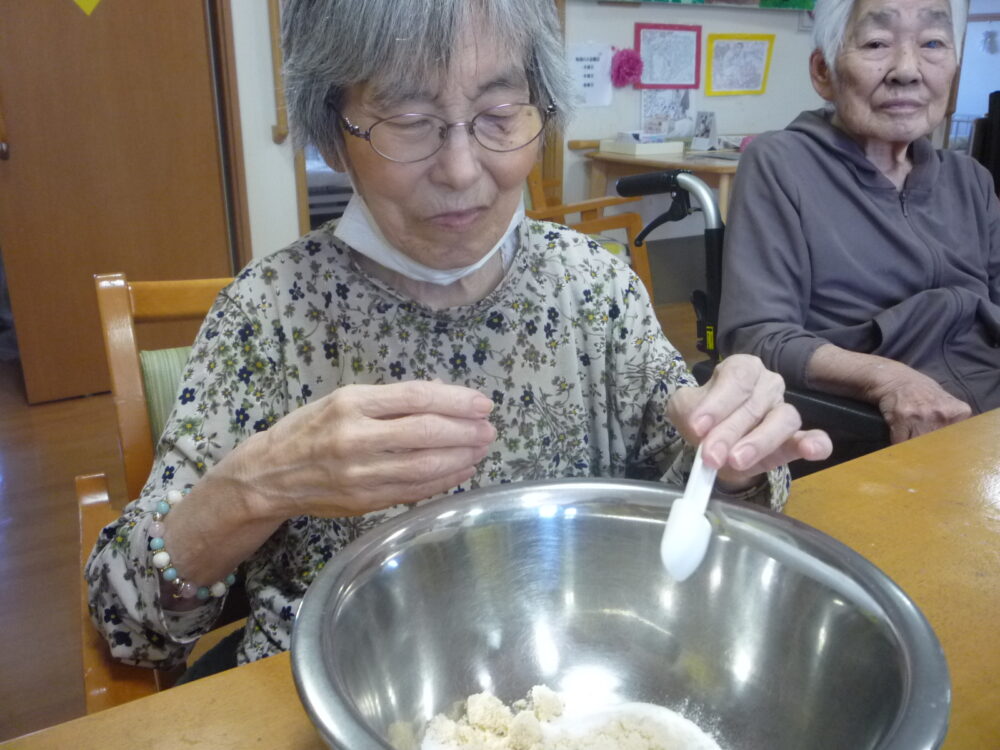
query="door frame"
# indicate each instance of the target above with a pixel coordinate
(223, 61)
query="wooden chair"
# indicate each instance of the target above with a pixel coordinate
(546, 205)
(122, 305)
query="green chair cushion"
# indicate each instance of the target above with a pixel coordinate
(161, 372)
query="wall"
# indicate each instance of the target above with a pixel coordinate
(270, 170)
(788, 89)
(980, 69)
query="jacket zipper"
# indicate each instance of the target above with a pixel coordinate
(934, 259)
(970, 397)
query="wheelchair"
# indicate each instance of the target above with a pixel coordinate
(855, 427)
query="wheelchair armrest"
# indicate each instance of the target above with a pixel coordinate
(860, 420)
(702, 371)
(849, 418)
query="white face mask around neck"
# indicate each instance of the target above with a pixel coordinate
(358, 229)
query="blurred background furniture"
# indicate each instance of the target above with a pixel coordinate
(144, 384)
(715, 171)
(986, 141)
(8, 343)
(328, 190)
(545, 197)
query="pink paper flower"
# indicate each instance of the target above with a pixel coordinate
(626, 67)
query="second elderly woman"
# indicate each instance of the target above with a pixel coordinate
(433, 341)
(859, 259)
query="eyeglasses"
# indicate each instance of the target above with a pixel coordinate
(415, 137)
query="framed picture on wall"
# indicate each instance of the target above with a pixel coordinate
(671, 56)
(738, 63)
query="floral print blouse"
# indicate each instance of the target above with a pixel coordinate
(567, 346)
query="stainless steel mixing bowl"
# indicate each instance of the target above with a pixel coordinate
(783, 638)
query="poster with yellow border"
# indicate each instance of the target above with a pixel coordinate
(738, 63)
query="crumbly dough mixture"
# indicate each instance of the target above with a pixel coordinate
(537, 723)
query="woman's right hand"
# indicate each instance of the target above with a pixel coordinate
(363, 448)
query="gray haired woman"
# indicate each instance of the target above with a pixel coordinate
(859, 260)
(432, 341)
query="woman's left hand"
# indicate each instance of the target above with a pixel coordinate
(743, 423)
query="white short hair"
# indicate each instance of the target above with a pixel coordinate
(831, 18)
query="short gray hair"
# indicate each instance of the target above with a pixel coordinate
(832, 17)
(331, 45)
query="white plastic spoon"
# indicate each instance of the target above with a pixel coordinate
(687, 533)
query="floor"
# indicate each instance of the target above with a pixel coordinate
(42, 448)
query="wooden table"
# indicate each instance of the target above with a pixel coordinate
(605, 168)
(927, 512)
(254, 706)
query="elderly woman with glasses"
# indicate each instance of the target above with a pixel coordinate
(432, 341)
(859, 260)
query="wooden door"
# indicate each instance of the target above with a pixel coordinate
(114, 165)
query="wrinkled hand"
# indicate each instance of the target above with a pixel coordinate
(914, 404)
(743, 423)
(365, 447)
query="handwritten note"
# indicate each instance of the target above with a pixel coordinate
(590, 67)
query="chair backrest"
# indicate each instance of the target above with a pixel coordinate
(543, 193)
(593, 221)
(123, 304)
(545, 199)
(991, 146)
(631, 222)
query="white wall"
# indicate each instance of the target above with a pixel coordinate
(269, 167)
(984, 6)
(788, 88)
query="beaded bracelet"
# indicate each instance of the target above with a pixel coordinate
(161, 558)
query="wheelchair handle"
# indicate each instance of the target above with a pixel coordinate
(681, 184)
(669, 181)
